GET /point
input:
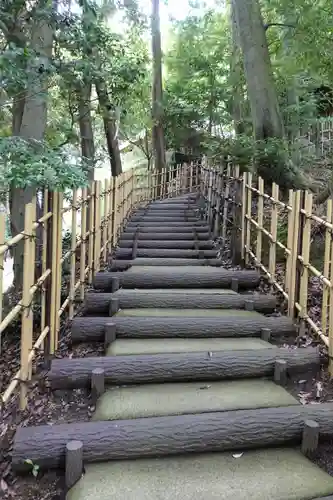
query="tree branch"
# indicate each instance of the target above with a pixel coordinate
(268, 25)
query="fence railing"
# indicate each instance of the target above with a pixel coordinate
(284, 237)
(74, 236)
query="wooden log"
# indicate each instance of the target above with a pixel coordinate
(162, 207)
(169, 224)
(125, 253)
(134, 243)
(113, 306)
(92, 328)
(120, 265)
(266, 334)
(165, 236)
(73, 463)
(158, 368)
(110, 334)
(97, 383)
(178, 277)
(161, 436)
(98, 303)
(168, 229)
(178, 244)
(280, 371)
(163, 219)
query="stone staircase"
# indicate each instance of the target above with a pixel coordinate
(190, 397)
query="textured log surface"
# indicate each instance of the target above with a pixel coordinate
(166, 236)
(178, 277)
(185, 224)
(162, 207)
(92, 328)
(158, 368)
(166, 228)
(119, 265)
(98, 303)
(178, 244)
(163, 219)
(124, 253)
(160, 436)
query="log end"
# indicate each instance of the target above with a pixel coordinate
(310, 437)
(114, 307)
(73, 463)
(110, 334)
(280, 372)
(97, 383)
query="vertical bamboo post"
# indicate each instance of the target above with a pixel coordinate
(243, 224)
(2, 242)
(97, 236)
(73, 257)
(106, 219)
(290, 235)
(273, 231)
(115, 211)
(226, 202)
(27, 314)
(44, 262)
(294, 254)
(59, 268)
(326, 271)
(330, 320)
(110, 217)
(260, 210)
(306, 241)
(54, 272)
(91, 229)
(83, 246)
(249, 216)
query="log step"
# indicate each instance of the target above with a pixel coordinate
(192, 313)
(274, 474)
(159, 368)
(118, 265)
(177, 277)
(178, 244)
(163, 218)
(124, 253)
(45, 445)
(170, 224)
(99, 303)
(125, 347)
(92, 328)
(166, 229)
(157, 400)
(166, 236)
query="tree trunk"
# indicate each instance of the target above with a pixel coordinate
(32, 129)
(157, 95)
(236, 75)
(266, 117)
(230, 325)
(109, 128)
(86, 127)
(45, 445)
(178, 367)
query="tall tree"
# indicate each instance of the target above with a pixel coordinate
(157, 90)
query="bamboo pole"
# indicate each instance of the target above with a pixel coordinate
(59, 268)
(260, 209)
(83, 245)
(249, 215)
(273, 231)
(294, 256)
(290, 236)
(91, 229)
(306, 241)
(2, 242)
(54, 272)
(326, 270)
(27, 314)
(244, 221)
(97, 235)
(73, 258)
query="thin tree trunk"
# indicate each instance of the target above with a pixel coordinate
(86, 128)
(157, 92)
(237, 104)
(109, 128)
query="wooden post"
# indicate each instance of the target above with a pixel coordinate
(243, 221)
(73, 257)
(115, 211)
(273, 231)
(115, 283)
(27, 314)
(248, 218)
(266, 334)
(280, 372)
(97, 238)
(290, 238)
(83, 246)
(106, 219)
(234, 284)
(54, 272)
(249, 305)
(59, 268)
(310, 437)
(304, 275)
(73, 463)
(330, 318)
(294, 254)
(2, 242)
(110, 334)
(114, 307)
(110, 217)
(97, 384)
(260, 210)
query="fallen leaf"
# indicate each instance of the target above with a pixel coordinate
(237, 455)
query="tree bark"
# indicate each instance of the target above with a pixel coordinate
(92, 329)
(266, 116)
(236, 75)
(45, 445)
(180, 277)
(109, 128)
(98, 303)
(86, 127)
(157, 94)
(159, 368)
(121, 265)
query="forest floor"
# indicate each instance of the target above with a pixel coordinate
(46, 407)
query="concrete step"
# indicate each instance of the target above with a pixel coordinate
(123, 347)
(189, 312)
(158, 400)
(272, 474)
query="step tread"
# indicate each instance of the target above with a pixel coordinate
(160, 312)
(274, 474)
(153, 400)
(187, 291)
(122, 347)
